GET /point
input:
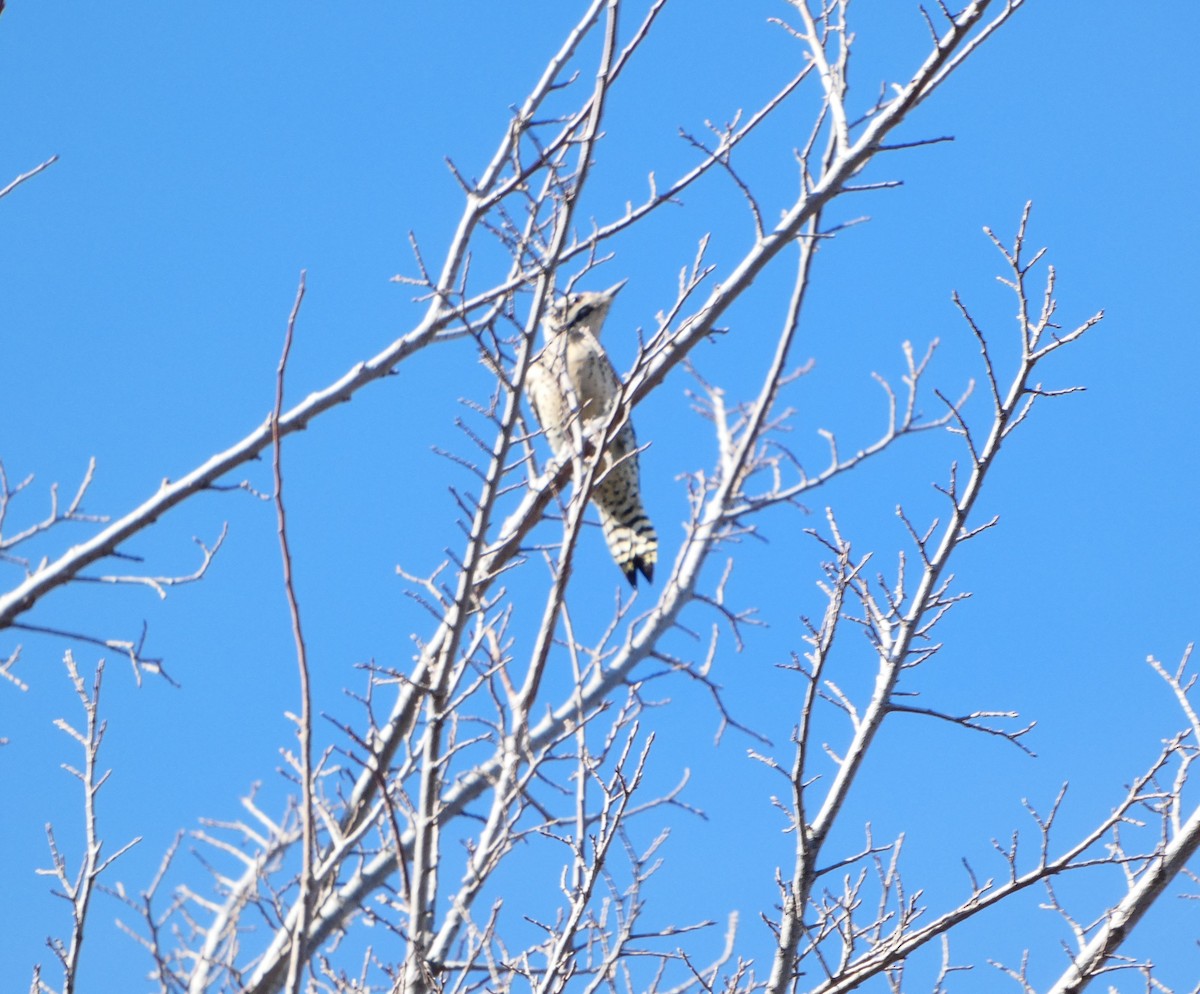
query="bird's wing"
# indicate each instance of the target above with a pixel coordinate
(598, 389)
(545, 397)
(535, 385)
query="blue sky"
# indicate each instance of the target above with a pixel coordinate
(208, 153)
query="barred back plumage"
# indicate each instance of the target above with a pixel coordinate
(571, 378)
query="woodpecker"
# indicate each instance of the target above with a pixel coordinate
(571, 378)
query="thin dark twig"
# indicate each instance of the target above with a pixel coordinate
(304, 731)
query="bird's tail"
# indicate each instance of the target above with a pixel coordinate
(631, 540)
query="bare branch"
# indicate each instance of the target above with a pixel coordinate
(32, 172)
(77, 889)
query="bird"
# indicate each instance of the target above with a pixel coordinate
(572, 377)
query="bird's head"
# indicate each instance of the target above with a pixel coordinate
(578, 311)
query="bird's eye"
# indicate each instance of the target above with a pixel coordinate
(584, 311)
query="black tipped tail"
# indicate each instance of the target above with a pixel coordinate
(630, 537)
(638, 565)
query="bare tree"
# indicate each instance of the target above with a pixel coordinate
(392, 867)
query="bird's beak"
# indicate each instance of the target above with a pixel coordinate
(612, 291)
